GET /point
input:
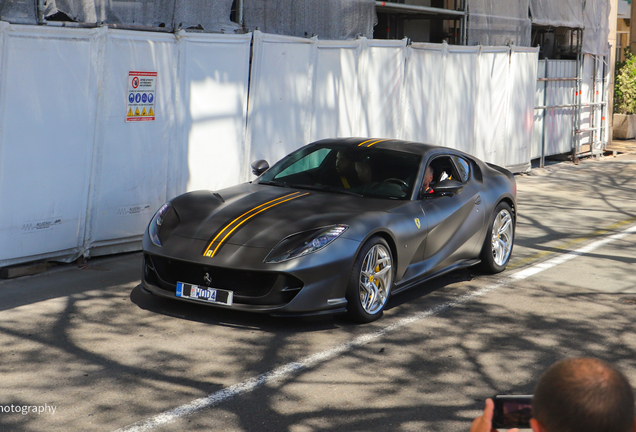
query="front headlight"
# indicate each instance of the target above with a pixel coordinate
(304, 243)
(156, 223)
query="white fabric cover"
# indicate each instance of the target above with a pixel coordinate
(75, 178)
(214, 73)
(498, 22)
(207, 15)
(279, 100)
(327, 19)
(596, 33)
(522, 82)
(484, 105)
(130, 173)
(560, 13)
(19, 12)
(46, 139)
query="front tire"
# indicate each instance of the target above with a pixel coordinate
(370, 282)
(497, 247)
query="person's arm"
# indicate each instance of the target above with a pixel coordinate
(483, 423)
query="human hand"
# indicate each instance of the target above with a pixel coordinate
(483, 423)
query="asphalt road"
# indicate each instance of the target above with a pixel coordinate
(107, 356)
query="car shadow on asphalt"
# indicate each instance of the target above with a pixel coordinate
(233, 318)
(226, 317)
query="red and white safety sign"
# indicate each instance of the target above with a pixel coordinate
(140, 100)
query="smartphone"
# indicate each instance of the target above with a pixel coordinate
(512, 411)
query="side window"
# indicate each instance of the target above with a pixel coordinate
(443, 169)
(463, 167)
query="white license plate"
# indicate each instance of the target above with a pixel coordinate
(204, 294)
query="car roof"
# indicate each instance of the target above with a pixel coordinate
(390, 144)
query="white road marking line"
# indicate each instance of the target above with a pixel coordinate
(284, 371)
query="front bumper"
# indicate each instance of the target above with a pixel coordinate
(310, 285)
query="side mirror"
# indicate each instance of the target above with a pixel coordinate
(259, 167)
(447, 188)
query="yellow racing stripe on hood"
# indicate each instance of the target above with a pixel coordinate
(253, 212)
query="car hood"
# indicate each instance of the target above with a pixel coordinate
(255, 215)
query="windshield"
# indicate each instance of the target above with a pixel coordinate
(364, 171)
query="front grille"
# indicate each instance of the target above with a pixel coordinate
(242, 282)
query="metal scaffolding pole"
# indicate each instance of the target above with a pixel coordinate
(576, 114)
(545, 110)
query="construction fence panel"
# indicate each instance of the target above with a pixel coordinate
(76, 178)
(522, 82)
(487, 114)
(424, 96)
(556, 134)
(213, 111)
(336, 97)
(492, 105)
(592, 136)
(48, 90)
(302, 89)
(130, 173)
(280, 95)
(382, 80)
(194, 142)
(459, 97)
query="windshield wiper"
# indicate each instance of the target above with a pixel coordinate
(326, 189)
(274, 183)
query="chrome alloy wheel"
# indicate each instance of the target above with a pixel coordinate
(376, 278)
(502, 237)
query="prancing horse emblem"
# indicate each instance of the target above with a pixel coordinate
(207, 279)
(417, 223)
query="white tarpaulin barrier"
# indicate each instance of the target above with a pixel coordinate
(78, 176)
(130, 173)
(483, 104)
(75, 176)
(337, 99)
(306, 89)
(491, 137)
(214, 73)
(521, 87)
(47, 109)
(279, 100)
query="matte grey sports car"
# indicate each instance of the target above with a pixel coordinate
(336, 226)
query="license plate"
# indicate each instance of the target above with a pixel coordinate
(204, 294)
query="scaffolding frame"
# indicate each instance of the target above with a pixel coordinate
(460, 13)
(597, 130)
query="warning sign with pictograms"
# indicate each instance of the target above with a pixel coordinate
(140, 100)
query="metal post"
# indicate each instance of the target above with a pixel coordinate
(545, 103)
(239, 6)
(576, 112)
(465, 23)
(595, 117)
(40, 11)
(604, 109)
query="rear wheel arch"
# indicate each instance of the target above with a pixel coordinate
(510, 202)
(497, 248)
